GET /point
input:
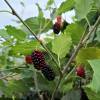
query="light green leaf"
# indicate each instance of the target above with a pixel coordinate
(49, 3)
(88, 54)
(65, 6)
(38, 24)
(98, 34)
(82, 8)
(95, 84)
(40, 11)
(17, 33)
(24, 48)
(3, 33)
(61, 45)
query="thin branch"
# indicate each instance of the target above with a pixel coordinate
(5, 11)
(92, 29)
(88, 22)
(8, 75)
(74, 53)
(56, 88)
(2, 70)
(49, 52)
(36, 85)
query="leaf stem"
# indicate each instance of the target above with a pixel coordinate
(88, 22)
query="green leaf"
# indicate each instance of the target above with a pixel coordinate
(92, 95)
(88, 54)
(24, 48)
(15, 87)
(98, 34)
(97, 2)
(95, 84)
(2, 85)
(17, 33)
(49, 3)
(43, 83)
(26, 73)
(72, 95)
(3, 33)
(40, 11)
(82, 8)
(76, 30)
(61, 45)
(38, 24)
(65, 6)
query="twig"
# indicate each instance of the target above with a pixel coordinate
(5, 11)
(88, 22)
(56, 88)
(36, 85)
(8, 75)
(2, 70)
(74, 53)
(49, 52)
(92, 29)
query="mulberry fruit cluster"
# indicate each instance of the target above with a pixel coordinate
(48, 72)
(38, 59)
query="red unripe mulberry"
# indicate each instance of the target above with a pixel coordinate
(80, 71)
(28, 59)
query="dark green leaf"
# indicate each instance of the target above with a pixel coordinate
(72, 95)
(15, 88)
(76, 31)
(92, 95)
(43, 83)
